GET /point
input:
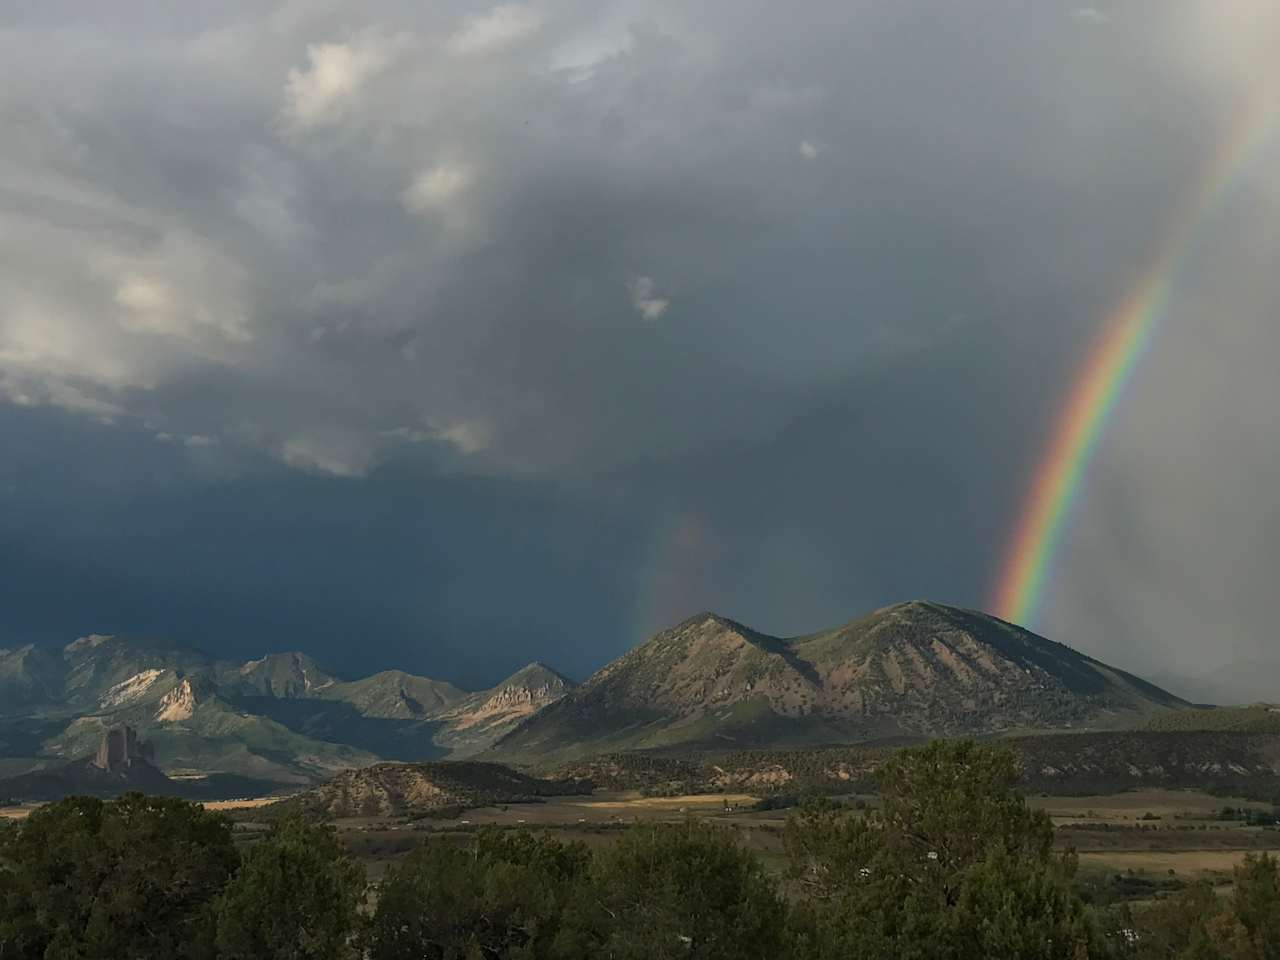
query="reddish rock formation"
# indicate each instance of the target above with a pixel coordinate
(120, 749)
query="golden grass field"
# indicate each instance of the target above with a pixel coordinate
(249, 803)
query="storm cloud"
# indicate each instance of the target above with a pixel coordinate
(450, 335)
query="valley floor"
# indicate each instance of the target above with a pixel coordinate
(1182, 837)
(1141, 840)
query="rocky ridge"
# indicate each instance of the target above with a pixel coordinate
(280, 718)
(423, 789)
(913, 669)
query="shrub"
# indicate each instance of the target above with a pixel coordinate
(680, 890)
(297, 896)
(133, 877)
(953, 866)
(504, 896)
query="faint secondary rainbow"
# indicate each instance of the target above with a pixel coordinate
(669, 567)
(1097, 389)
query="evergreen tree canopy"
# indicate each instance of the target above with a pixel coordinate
(297, 896)
(132, 877)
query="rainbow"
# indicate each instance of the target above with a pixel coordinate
(669, 564)
(1109, 366)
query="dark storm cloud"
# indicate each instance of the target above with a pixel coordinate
(423, 326)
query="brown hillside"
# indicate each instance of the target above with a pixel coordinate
(913, 669)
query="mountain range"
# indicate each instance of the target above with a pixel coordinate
(280, 719)
(911, 670)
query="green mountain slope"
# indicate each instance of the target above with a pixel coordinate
(914, 669)
(97, 665)
(283, 675)
(30, 677)
(399, 716)
(280, 718)
(476, 721)
(196, 733)
(394, 695)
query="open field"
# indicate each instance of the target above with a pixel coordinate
(688, 802)
(1184, 864)
(1187, 804)
(607, 808)
(21, 811)
(1160, 835)
(247, 803)
(1108, 831)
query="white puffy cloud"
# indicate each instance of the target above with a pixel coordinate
(180, 288)
(181, 234)
(645, 300)
(466, 438)
(86, 315)
(331, 83)
(437, 186)
(157, 234)
(495, 31)
(337, 453)
(203, 232)
(33, 391)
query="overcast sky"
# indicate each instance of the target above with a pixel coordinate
(445, 336)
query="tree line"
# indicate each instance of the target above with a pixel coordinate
(953, 865)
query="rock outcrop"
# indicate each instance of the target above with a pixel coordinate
(178, 704)
(122, 763)
(121, 749)
(423, 789)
